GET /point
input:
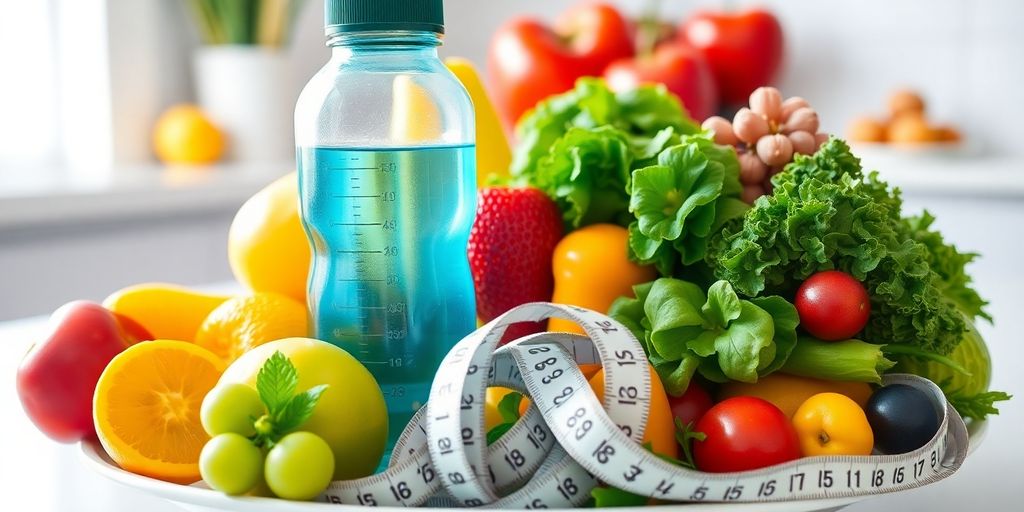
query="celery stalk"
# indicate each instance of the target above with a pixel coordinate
(850, 360)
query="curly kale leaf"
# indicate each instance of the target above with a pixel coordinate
(825, 213)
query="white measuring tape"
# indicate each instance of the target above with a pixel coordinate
(567, 442)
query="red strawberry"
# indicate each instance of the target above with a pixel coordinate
(510, 249)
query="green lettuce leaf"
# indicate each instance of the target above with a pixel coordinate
(580, 147)
(587, 174)
(689, 194)
(717, 334)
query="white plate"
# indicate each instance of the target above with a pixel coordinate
(199, 498)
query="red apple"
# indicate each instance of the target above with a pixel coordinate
(744, 49)
(681, 68)
(58, 376)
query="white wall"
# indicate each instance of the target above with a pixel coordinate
(966, 56)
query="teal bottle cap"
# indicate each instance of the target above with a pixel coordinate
(373, 15)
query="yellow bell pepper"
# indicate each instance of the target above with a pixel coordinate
(592, 269)
(493, 155)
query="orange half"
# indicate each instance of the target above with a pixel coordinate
(146, 408)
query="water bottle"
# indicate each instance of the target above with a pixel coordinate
(386, 157)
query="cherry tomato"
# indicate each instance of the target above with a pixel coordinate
(832, 305)
(692, 405)
(744, 433)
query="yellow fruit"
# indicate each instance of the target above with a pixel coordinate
(661, 428)
(910, 129)
(592, 269)
(415, 115)
(867, 129)
(167, 311)
(905, 101)
(832, 424)
(146, 408)
(267, 247)
(245, 322)
(492, 417)
(351, 414)
(787, 392)
(184, 135)
(493, 155)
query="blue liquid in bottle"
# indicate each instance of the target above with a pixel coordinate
(387, 175)
(390, 280)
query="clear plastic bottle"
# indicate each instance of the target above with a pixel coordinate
(386, 159)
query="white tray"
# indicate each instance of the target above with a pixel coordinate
(199, 498)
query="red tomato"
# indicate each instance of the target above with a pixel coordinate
(692, 405)
(681, 68)
(832, 305)
(528, 61)
(58, 376)
(744, 433)
(744, 49)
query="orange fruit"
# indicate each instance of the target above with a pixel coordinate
(492, 417)
(184, 135)
(867, 129)
(146, 408)
(167, 311)
(592, 269)
(787, 392)
(661, 428)
(248, 321)
(267, 247)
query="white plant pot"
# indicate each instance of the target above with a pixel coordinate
(247, 91)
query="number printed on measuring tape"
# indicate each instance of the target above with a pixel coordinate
(568, 441)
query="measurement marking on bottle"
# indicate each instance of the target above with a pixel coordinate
(360, 252)
(358, 223)
(344, 196)
(360, 280)
(353, 168)
(358, 307)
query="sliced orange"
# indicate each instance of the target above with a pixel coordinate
(146, 408)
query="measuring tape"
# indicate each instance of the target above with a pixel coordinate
(568, 442)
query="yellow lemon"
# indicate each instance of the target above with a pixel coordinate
(184, 135)
(267, 248)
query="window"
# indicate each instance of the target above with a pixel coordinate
(29, 134)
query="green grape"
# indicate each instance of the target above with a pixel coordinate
(231, 464)
(231, 408)
(299, 467)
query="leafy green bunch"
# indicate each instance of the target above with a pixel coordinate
(717, 334)
(580, 147)
(825, 213)
(679, 202)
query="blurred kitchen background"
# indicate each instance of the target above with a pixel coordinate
(86, 208)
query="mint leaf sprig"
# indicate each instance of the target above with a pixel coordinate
(276, 384)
